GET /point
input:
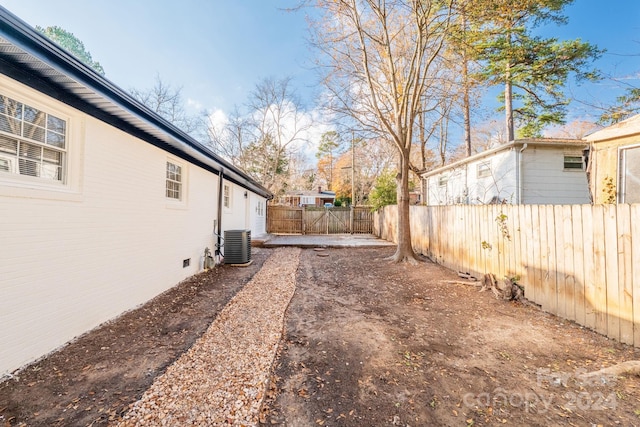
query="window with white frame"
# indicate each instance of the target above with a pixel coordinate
(573, 162)
(442, 180)
(484, 169)
(260, 208)
(629, 186)
(174, 181)
(32, 142)
(226, 196)
(307, 200)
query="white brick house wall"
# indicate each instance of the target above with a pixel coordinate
(79, 254)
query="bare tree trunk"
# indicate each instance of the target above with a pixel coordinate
(389, 50)
(508, 100)
(466, 112)
(423, 141)
(465, 95)
(508, 106)
(330, 185)
(443, 137)
(404, 250)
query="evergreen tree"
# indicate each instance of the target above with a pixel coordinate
(72, 44)
(328, 149)
(627, 106)
(533, 69)
(385, 191)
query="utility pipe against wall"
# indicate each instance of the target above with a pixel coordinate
(524, 147)
(218, 232)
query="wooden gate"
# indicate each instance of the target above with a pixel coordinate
(312, 220)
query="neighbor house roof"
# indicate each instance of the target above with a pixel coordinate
(325, 194)
(628, 127)
(518, 143)
(32, 59)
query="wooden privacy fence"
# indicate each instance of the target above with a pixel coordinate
(311, 220)
(579, 262)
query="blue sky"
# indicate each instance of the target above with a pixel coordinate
(217, 50)
(613, 25)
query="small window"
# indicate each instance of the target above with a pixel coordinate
(442, 181)
(573, 163)
(260, 208)
(629, 187)
(227, 196)
(484, 170)
(32, 142)
(174, 181)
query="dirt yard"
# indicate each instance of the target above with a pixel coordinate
(366, 343)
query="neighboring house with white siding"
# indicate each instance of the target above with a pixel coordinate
(525, 171)
(103, 204)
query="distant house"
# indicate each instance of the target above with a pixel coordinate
(415, 197)
(526, 171)
(103, 203)
(614, 162)
(309, 198)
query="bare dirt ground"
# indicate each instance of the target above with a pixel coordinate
(366, 343)
(93, 380)
(369, 343)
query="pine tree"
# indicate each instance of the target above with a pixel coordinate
(72, 44)
(533, 69)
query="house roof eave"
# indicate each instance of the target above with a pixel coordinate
(32, 59)
(625, 128)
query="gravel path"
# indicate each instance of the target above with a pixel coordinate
(222, 379)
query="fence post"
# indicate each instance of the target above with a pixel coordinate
(351, 215)
(304, 216)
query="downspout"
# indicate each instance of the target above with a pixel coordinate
(218, 232)
(426, 191)
(524, 147)
(588, 160)
(466, 184)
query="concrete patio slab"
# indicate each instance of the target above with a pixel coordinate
(323, 241)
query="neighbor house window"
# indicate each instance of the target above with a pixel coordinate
(442, 181)
(484, 170)
(629, 191)
(573, 162)
(307, 200)
(32, 142)
(174, 181)
(226, 196)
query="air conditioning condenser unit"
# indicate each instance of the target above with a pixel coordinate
(237, 246)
